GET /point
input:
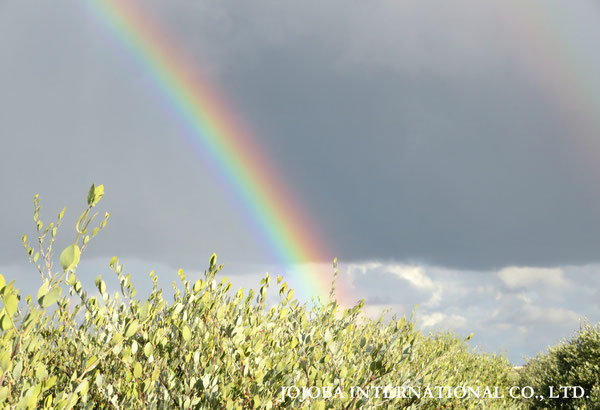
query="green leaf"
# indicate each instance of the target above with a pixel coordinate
(5, 362)
(185, 333)
(137, 369)
(2, 282)
(343, 372)
(131, 328)
(51, 297)
(42, 291)
(48, 384)
(197, 286)
(116, 339)
(40, 371)
(144, 310)
(5, 322)
(69, 258)
(290, 295)
(95, 194)
(148, 349)
(83, 388)
(11, 302)
(17, 370)
(3, 393)
(91, 363)
(90, 198)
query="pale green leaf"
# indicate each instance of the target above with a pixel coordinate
(185, 333)
(144, 310)
(5, 322)
(131, 328)
(137, 369)
(51, 297)
(4, 391)
(69, 258)
(11, 302)
(5, 361)
(148, 349)
(42, 291)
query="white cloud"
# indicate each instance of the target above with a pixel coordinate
(442, 320)
(361, 268)
(549, 315)
(519, 277)
(373, 311)
(413, 274)
(416, 276)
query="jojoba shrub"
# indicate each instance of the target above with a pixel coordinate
(571, 369)
(210, 347)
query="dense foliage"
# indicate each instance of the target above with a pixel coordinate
(575, 362)
(210, 347)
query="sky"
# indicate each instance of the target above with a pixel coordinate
(447, 152)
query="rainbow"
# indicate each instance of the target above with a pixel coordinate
(557, 65)
(225, 146)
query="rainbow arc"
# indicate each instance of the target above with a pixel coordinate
(226, 146)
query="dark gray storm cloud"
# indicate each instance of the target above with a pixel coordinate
(411, 132)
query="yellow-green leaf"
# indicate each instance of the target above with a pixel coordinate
(5, 361)
(91, 363)
(290, 294)
(95, 194)
(5, 322)
(131, 328)
(117, 338)
(40, 370)
(82, 388)
(137, 369)
(11, 302)
(148, 349)
(42, 291)
(51, 297)
(185, 333)
(69, 258)
(144, 310)
(3, 393)
(197, 286)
